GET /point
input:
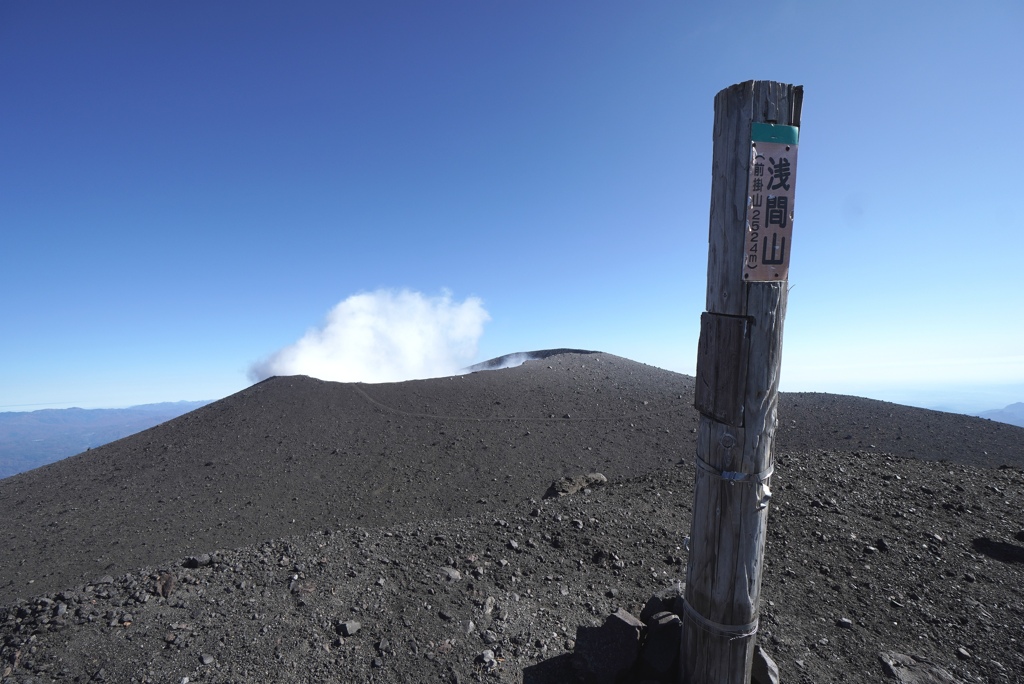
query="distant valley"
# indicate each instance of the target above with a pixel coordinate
(31, 439)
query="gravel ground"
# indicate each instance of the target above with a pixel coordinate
(244, 541)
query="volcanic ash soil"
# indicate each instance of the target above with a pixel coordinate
(424, 550)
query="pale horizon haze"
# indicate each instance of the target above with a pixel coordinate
(194, 196)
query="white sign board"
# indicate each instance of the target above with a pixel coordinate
(771, 186)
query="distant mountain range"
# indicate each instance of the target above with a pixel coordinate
(1012, 414)
(29, 439)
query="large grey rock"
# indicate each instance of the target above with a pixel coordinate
(570, 485)
(913, 670)
(348, 628)
(764, 669)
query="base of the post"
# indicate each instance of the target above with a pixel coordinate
(710, 655)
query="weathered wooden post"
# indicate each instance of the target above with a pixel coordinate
(738, 361)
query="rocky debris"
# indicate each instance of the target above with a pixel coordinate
(513, 615)
(914, 670)
(487, 659)
(646, 650)
(628, 648)
(570, 485)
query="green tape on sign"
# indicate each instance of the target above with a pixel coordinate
(774, 133)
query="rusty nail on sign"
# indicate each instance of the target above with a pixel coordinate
(771, 187)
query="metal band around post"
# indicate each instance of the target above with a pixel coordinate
(717, 628)
(731, 476)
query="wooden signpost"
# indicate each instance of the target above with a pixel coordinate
(756, 134)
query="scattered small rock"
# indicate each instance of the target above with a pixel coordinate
(487, 659)
(165, 584)
(348, 628)
(200, 561)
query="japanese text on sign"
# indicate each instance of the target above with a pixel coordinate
(771, 182)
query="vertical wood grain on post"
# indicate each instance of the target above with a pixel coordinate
(738, 366)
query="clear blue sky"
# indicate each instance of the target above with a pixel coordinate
(188, 188)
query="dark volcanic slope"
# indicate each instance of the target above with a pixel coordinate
(294, 455)
(833, 421)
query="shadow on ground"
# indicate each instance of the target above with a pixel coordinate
(555, 670)
(1000, 551)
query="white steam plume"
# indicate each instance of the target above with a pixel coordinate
(384, 336)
